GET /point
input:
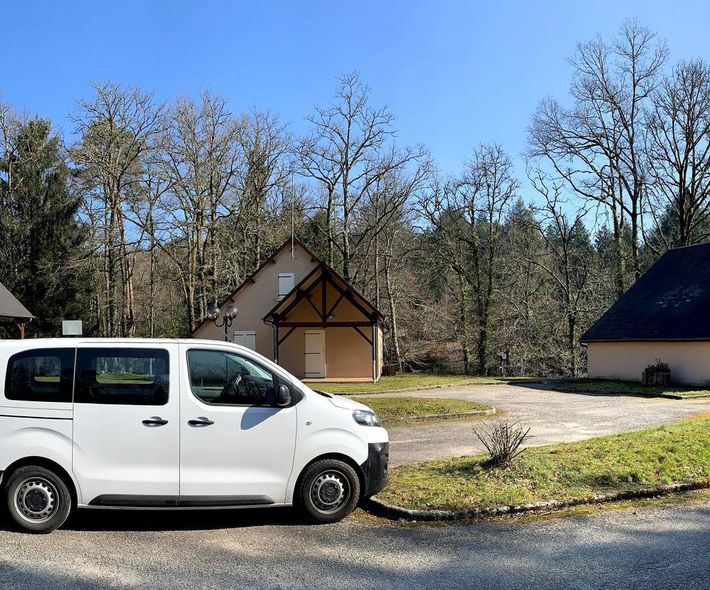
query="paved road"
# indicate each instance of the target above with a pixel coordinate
(659, 548)
(553, 417)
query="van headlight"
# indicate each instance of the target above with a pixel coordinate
(367, 418)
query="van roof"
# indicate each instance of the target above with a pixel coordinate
(37, 342)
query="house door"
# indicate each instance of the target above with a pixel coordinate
(315, 353)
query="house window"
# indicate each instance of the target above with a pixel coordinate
(246, 339)
(285, 284)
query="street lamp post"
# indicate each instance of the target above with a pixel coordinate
(229, 316)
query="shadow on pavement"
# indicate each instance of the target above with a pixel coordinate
(558, 386)
(172, 520)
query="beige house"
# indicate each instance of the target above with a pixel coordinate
(664, 316)
(299, 312)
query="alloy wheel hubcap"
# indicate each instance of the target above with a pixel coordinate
(330, 491)
(36, 499)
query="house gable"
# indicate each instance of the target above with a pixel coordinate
(259, 293)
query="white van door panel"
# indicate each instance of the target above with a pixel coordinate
(231, 453)
(126, 441)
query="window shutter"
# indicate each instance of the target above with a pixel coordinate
(285, 284)
(246, 339)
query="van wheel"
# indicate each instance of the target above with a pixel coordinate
(37, 499)
(329, 491)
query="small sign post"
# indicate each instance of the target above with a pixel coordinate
(72, 328)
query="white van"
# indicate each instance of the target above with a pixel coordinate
(167, 424)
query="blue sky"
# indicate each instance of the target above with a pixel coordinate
(454, 73)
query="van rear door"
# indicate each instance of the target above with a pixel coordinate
(126, 424)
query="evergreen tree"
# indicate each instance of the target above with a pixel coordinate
(40, 236)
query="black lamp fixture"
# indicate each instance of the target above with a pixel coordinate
(214, 313)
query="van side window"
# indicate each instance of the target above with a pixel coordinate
(40, 375)
(129, 376)
(224, 378)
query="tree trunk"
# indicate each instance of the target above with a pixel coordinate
(572, 343)
(329, 227)
(393, 315)
(619, 254)
(151, 278)
(465, 326)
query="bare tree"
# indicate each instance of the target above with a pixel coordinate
(567, 258)
(470, 212)
(678, 150)
(384, 237)
(596, 146)
(347, 153)
(264, 169)
(199, 159)
(116, 127)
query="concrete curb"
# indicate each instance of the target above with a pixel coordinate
(434, 417)
(393, 512)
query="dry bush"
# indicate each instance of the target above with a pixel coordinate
(502, 440)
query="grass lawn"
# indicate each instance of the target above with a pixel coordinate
(404, 409)
(110, 379)
(670, 454)
(124, 378)
(405, 381)
(626, 387)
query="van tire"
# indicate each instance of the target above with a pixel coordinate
(43, 494)
(328, 491)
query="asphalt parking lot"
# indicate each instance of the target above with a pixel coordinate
(659, 548)
(553, 417)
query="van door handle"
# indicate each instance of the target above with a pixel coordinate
(155, 421)
(200, 421)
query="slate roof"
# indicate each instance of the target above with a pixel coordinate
(10, 307)
(671, 301)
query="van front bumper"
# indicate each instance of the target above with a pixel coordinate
(375, 469)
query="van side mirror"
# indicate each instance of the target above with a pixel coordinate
(283, 396)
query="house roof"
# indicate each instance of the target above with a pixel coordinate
(10, 307)
(671, 301)
(300, 292)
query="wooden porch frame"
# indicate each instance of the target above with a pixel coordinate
(278, 315)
